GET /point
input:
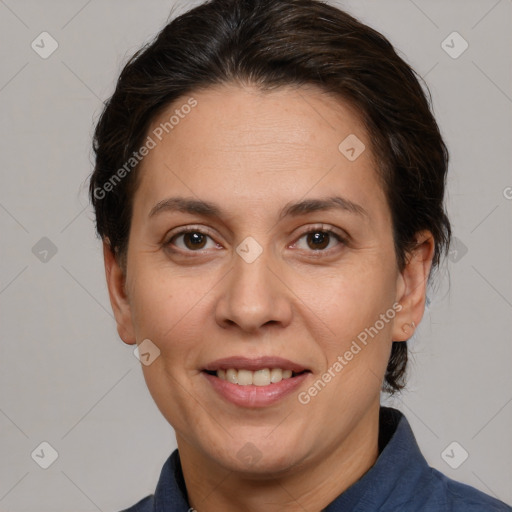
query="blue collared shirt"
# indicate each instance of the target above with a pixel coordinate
(400, 480)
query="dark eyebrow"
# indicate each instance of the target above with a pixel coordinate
(209, 209)
(182, 204)
(329, 203)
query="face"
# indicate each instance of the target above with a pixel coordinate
(261, 265)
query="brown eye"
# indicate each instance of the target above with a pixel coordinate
(190, 241)
(194, 240)
(318, 240)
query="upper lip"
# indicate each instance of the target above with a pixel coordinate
(258, 363)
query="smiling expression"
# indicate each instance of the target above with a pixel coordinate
(257, 253)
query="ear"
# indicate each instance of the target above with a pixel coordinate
(118, 298)
(412, 287)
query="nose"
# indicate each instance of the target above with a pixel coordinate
(253, 297)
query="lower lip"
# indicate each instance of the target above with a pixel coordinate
(255, 396)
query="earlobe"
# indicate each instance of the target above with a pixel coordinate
(408, 329)
(412, 286)
(116, 278)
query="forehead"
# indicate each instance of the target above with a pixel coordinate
(245, 143)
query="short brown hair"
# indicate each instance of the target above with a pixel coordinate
(270, 44)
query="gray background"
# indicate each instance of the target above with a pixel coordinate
(67, 379)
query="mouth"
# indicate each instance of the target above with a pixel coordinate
(254, 382)
(261, 377)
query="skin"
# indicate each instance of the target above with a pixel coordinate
(252, 153)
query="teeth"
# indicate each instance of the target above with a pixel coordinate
(244, 377)
(262, 377)
(231, 376)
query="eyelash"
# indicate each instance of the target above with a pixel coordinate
(202, 231)
(184, 231)
(326, 231)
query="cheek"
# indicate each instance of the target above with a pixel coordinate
(358, 309)
(168, 310)
(351, 298)
(165, 309)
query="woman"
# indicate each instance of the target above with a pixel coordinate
(269, 188)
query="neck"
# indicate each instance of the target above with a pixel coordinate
(310, 485)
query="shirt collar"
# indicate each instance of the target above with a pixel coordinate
(400, 464)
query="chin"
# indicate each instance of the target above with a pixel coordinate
(261, 459)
